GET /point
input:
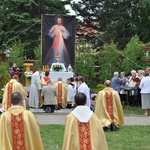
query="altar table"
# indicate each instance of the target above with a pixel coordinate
(55, 75)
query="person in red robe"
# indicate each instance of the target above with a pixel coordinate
(44, 80)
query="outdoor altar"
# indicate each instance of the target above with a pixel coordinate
(64, 75)
(58, 70)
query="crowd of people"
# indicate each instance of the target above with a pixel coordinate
(133, 89)
(56, 95)
(18, 125)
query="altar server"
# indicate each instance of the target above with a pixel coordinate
(83, 87)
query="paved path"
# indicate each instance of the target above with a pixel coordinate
(58, 117)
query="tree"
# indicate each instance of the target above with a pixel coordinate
(118, 20)
(133, 55)
(85, 62)
(143, 25)
(108, 60)
(21, 20)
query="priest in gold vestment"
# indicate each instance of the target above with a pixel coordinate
(19, 129)
(83, 130)
(108, 107)
(12, 86)
(61, 93)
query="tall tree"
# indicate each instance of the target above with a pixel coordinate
(116, 19)
(143, 25)
(21, 20)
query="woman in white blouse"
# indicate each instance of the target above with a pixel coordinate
(145, 93)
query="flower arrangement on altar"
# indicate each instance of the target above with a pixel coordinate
(57, 67)
(28, 74)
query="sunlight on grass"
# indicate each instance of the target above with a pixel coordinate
(126, 138)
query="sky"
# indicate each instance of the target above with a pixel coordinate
(72, 12)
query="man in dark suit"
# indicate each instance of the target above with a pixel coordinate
(49, 95)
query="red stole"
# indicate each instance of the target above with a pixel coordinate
(109, 105)
(59, 97)
(84, 136)
(10, 88)
(18, 134)
(46, 78)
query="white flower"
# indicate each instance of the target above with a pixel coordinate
(57, 67)
(28, 74)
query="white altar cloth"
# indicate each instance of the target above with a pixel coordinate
(55, 75)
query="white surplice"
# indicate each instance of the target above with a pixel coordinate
(85, 89)
(35, 86)
(70, 93)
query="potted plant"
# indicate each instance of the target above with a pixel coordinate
(28, 75)
(57, 67)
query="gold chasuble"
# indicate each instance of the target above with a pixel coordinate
(108, 107)
(12, 86)
(19, 130)
(62, 93)
(83, 131)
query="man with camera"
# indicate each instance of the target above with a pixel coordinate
(14, 70)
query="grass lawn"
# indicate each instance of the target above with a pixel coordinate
(128, 110)
(126, 138)
(52, 136)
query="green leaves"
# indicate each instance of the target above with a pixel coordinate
(21, 20)
(133, 52)
(85, 62)
(118, 20)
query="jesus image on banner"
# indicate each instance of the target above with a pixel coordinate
(58, 32)
(58, 40)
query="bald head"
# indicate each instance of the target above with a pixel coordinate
(59, 79)
(15, 77)
(107, 83)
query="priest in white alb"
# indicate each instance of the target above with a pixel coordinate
(83, 87)
(34, 89)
